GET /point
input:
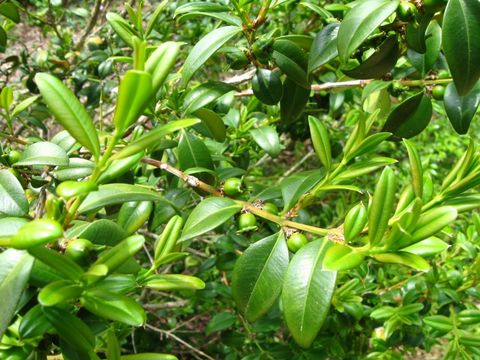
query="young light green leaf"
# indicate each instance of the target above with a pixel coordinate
(34, 233)
(209, 214)
(60, 263)
(360, 22)
(415, 168)
(427, 247)
(403, 258)
(205, 48)
(166, 282)
(382, 205)
(121, 27)
(461, 42)
(68, 111)
(307, 292)
(59, 292)
(160, 62)
(133, 215)
(432, 221)
(267, 138)
(320, 141)
(15, 269)
(113, 306)
(14, 202)
(258, 276)
(152, 137)
(43, 153)
(213, 122)
(341, 257)
(117, 194)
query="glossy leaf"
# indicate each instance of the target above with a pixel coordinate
(34, 323)
(166, 242)
(267, 86)
(355, 222)
(10, 11)
(294, 100)
(116, 256)
(207, 215)
(213, 122)
(415, 168)
(267, 138)
(134, 94)
(320, 141)
(117, 194)
(43, 154)
(307, 292)
(15, 269)
(292, 60)
(205, 48)
(12, 197)
(294, 186)
(433, 221)
(411, 117)
(121, 27)
(60, 263)
(424, 62)
(68, 111)
(461, 42)
(427, 247)
(10, 225)
(70, 328)
(258, 276)
(379, 63)
(33, 233)
(166, 282)
(341, 257)
(324, 47)
(120, 166)
(439, 322)
(205, 94)
(360, 22)
(461, 109)
(133, 215)
(59, 292)
(415, 34)
(160, 63)
(148, 356)
(404, 258)
(382, 205)
(113, 306)
(193, 153)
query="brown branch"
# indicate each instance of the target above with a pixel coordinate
(91, 24)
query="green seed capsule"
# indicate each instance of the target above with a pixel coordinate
(271, 208)
(35, 233)
(233, 186)
(70, 188)
(247, 222)
(296, 241)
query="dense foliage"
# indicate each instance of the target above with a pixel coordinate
(239, 179)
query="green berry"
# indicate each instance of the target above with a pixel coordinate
(78, 250)
(438, 92)
(247, 222)
(443, 74)
(406, 11)
(270, 208)
(232, 186)
(296, 241)
(14, 156)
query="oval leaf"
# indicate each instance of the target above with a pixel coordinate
(13, 201)
(43, 154)
(461, 109)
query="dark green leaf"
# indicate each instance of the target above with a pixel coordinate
(10, 11)
(258, 276)
(293, 102)
(267, 138)
(324, 47)
(267, 86)
(433, 43)
(205, 94)
(220, 322)
(213, 122)
(461, 109)
(416, 33)
(292, 60)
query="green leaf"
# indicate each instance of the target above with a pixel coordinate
(439, 322)
(10, 11)
(133, 215)
(134, 94)
(34, 323)
(117, 194)
(207, 215)
(403, 258)
(424, 62)
(33, 233)
(360, 22)
(121, 27)
(433, 221)
(205, 94)
(15, 269)
(416, 32)
(382, 205)
(14, 202)
(205, 48)
(120, 166)
(411, 117)
(213, 122)
(291, 59)
(43, 154)
(68, 111)
(267, 86)
(461, 42)
(294, 186)
(461, 109)
(258, 276)
(355, 222)
(60, 263)
(307, 292)
(166, 282)
(24, 105)
(70, 328)
(160, 63)
(10, 225)
(114, 307)
(100, 232)
(59, 292)
(427, 247)
(294, 100)
(267, 138)
(415, 168)
(341, 257)
(379, 63)
(320, 141)
(324, 47)
(6, 98)
(220, 322)
(193, 153)
(3, 37)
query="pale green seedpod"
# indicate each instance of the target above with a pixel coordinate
(355, 222)
(320, 141)
(70, 188)
(133, 214)
(34, 233)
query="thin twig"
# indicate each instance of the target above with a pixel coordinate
(181, 341)
(91, 24)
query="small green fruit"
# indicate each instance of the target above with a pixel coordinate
(78, 250)
(271, 208)
(232, 186)
(438, 92)
(296, 241)
(443, 74)
(14, 156)
(406, 11)
(247, 222)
